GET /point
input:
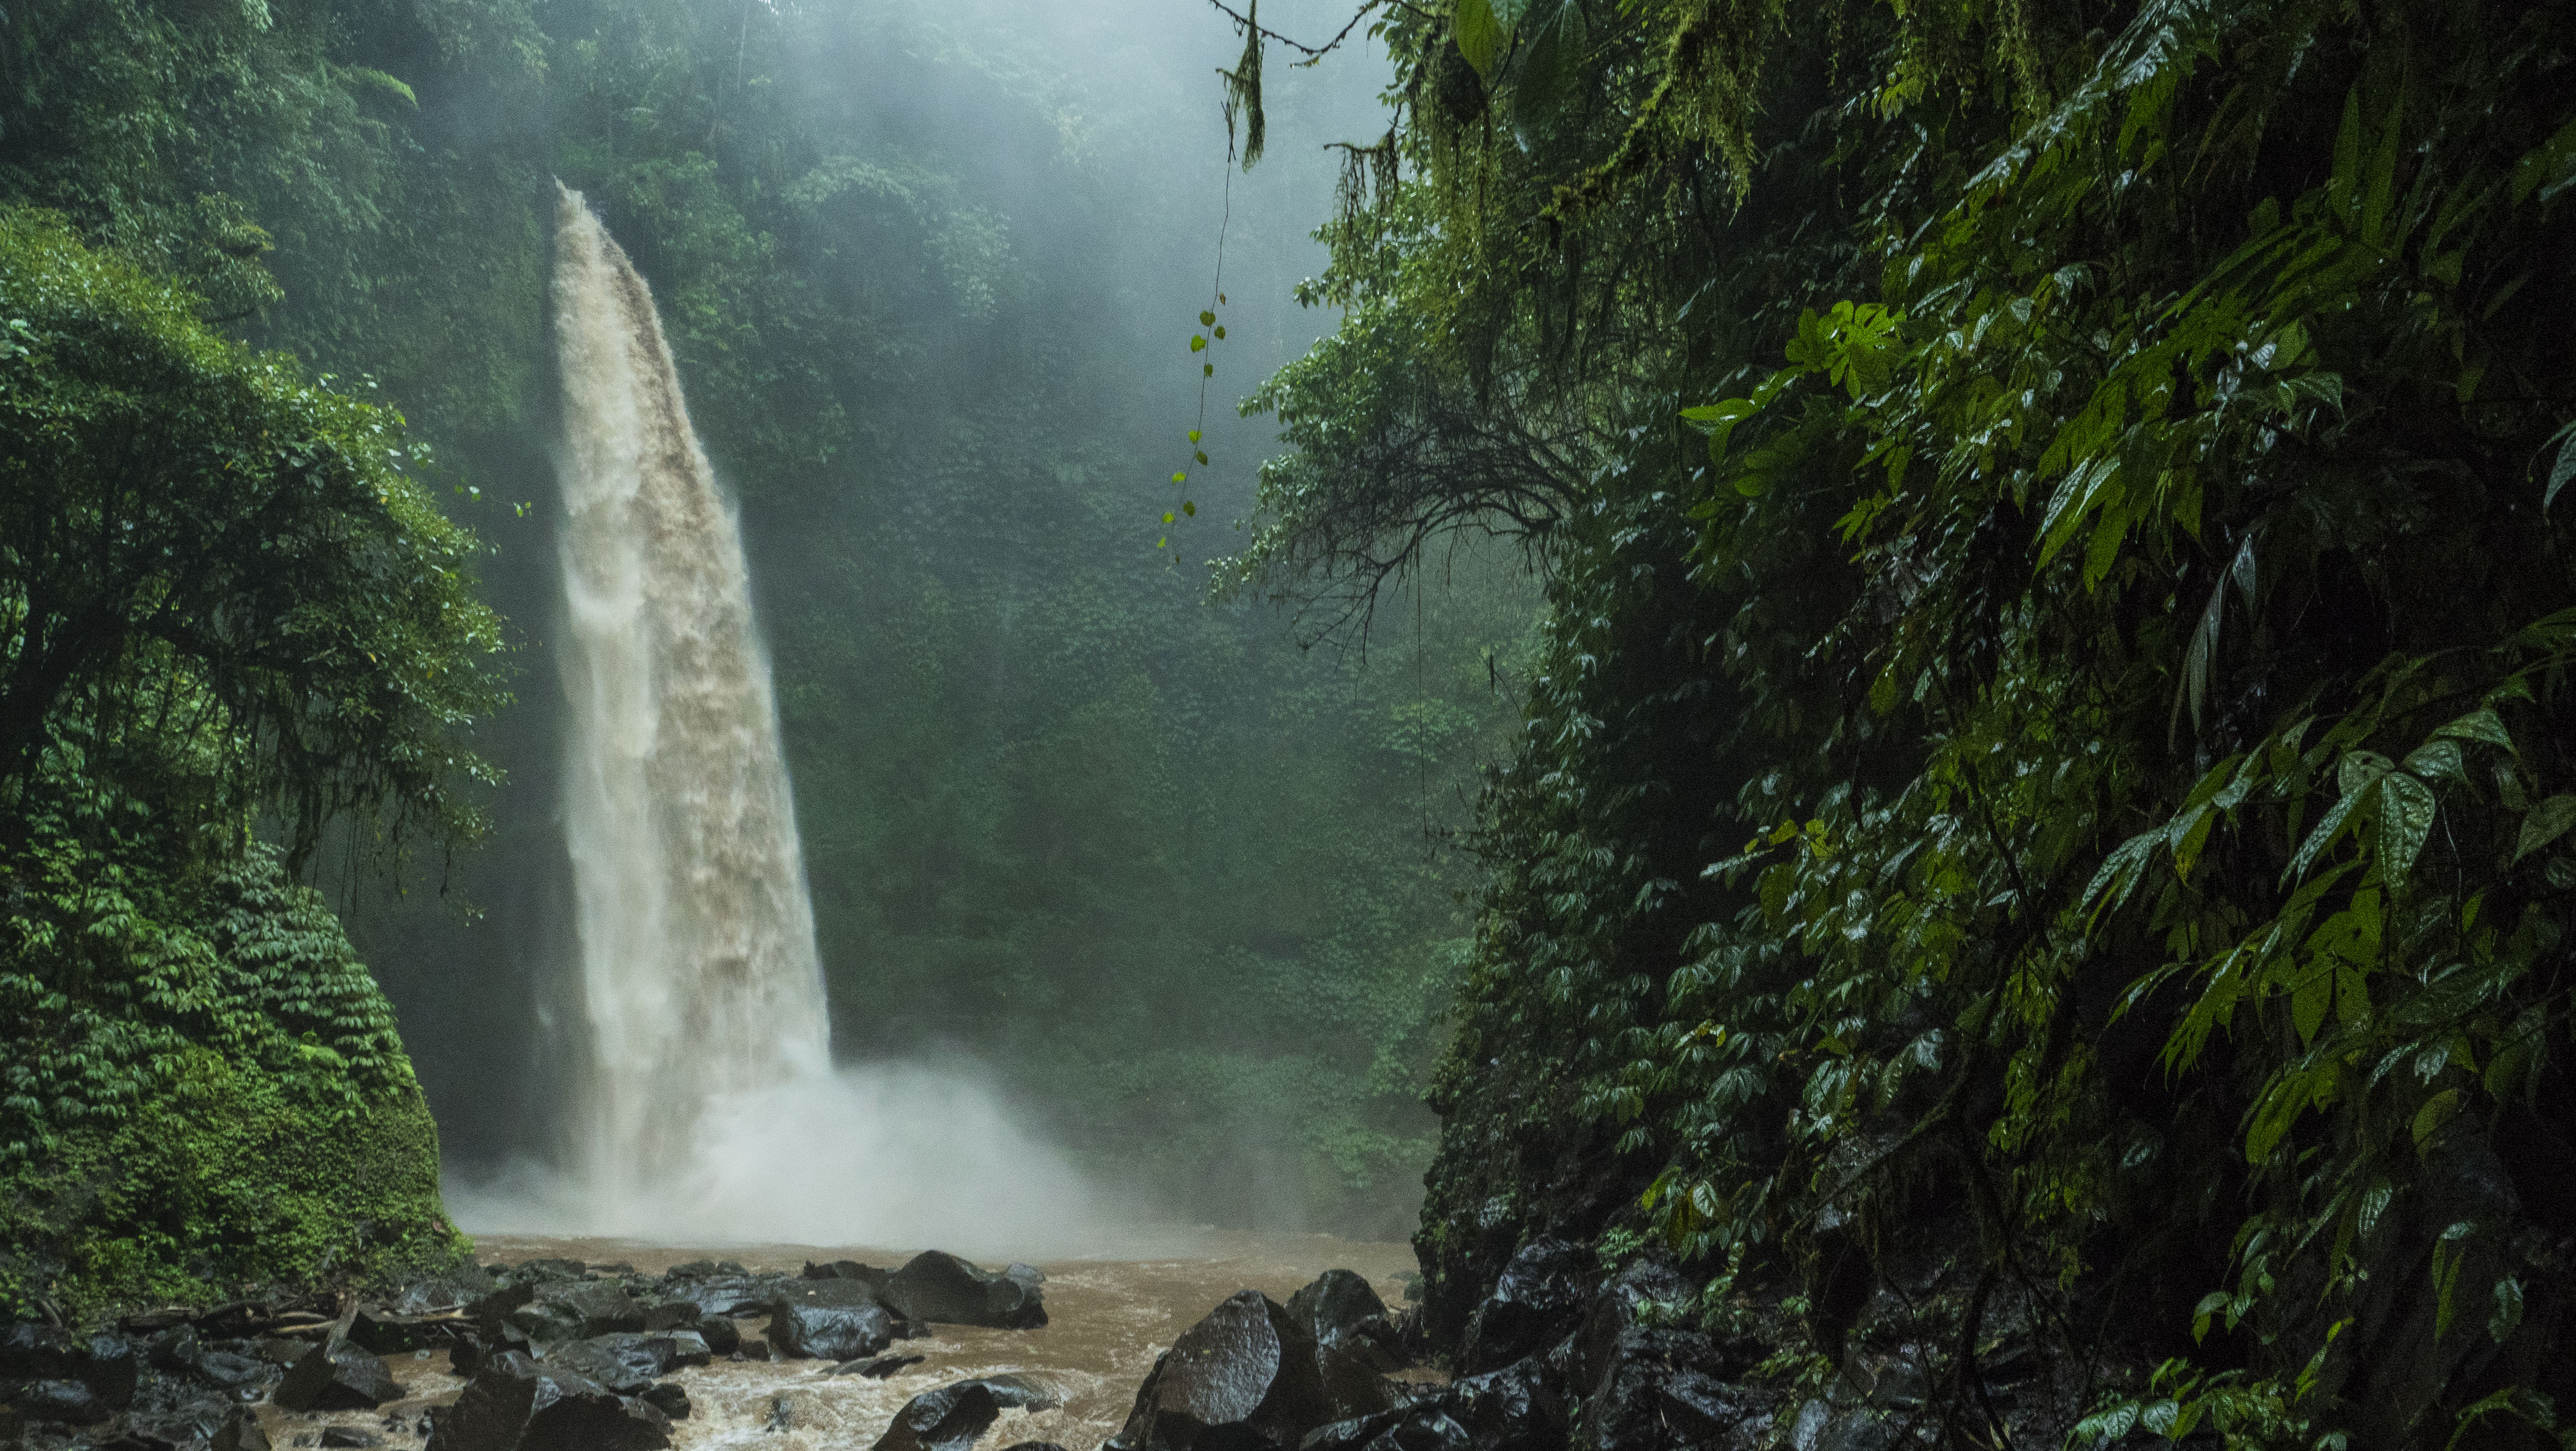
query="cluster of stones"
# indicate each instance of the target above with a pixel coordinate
(556, 1355)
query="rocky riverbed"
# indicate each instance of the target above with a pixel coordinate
(561, 1345)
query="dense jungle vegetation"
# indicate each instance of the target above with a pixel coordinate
(2050, 756)
(276, 579)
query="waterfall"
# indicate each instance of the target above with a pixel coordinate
(697, 940)
(708, 1106)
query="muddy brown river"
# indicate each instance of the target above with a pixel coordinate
(1106, 1321)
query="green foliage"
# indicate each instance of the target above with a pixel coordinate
(199, 541)
(2102, 561)
(203, 1089)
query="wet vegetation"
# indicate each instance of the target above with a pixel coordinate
(2042, 822)
(2003, 567)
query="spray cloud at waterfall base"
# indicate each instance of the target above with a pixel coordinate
(707, 1106)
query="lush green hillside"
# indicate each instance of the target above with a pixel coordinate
(2051, 749)
(227, 602)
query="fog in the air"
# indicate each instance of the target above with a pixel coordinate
(1127, 907)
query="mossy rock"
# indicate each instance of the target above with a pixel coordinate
(204, 1092)
(227, 1180)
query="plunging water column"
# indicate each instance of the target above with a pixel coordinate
(697, 940)
(707, 1103)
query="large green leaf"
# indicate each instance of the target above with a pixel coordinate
(1480, 34)
(2405, 820)
(2547, 822)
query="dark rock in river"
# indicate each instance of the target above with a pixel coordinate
(386, 1333)
(578, 1311)
(876, 1367)
(1539, 1298)
(1337, 1302)
(725, 1295)
(515, 1403)
(869, 1275)
(191, 1424)
(627, 1364)
(722, 1336)
(337, 1376)
(669, 1399)
(452, 1291)
(469, 1347)
(537, 1272)
(1243, 1378)
(1014, 1392)
(229, 1370)
(241, 1433)
(947, 1419)
(67, 1401)
(939, 1287)
(173, 1349)
(801, 1331)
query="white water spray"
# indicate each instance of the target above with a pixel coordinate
(708, 1107)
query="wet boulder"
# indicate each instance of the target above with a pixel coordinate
(173, 1349)
(1516, 1408)
(469, 1346)
(337, 1376)
(801, 1330)
(1647, 1282)
(578, 1311)
(30, 1351)
(231, 1370)
(880, 1367)
(452, 1291)
(1015, 1392)
(112, 1367)
(947, 1419)
(724, 1295)
(190, 1424)
(869, 1275)
(1337, 1303)
(516, 1403)
(108, 1366)
(935, 1286)
(70, 1402)
(722, 1336)
(1241, 1379)
(670, 1399)
(627, 1364)
(1666, 1388)
(387, 1333)
(1538, 1300)
(542, 1271)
